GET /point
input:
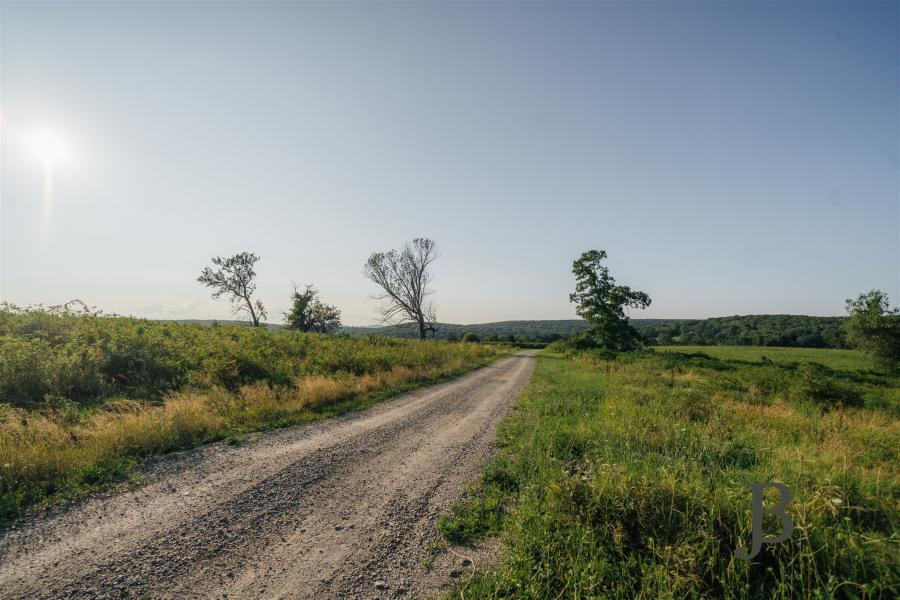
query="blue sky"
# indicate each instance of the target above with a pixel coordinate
(732, 158)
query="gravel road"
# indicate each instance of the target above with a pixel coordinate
(344, 508)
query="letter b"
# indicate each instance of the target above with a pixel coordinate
(759, 511)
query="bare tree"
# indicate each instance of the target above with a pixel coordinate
(404, 277)
(234, 277)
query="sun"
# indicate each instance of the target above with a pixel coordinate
(48, 148)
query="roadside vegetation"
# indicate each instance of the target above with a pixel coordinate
(628, 478)
(625, 472)
(84, 398)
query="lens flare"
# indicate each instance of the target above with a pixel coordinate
(48, 148)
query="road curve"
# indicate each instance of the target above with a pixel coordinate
(344, 508)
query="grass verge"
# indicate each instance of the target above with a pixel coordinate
(84, 400)
(629, 480)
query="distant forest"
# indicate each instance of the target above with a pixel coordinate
(518, 331)
(749, 330)
(797, 331)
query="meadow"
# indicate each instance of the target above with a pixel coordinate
(84, 399)
(847, 360)
(629, 478)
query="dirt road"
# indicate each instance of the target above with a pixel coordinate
(344, 508)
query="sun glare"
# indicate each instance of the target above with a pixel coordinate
(48, 148)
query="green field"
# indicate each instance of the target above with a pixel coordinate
(84, 399)
(628, 479)
(833, 358)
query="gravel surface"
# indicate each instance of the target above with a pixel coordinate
(344, 508)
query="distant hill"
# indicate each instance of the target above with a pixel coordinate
(742, 330)
(747, 330)
(538, 331)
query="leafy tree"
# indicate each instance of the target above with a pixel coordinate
(468, 336)
(234, 278)
(308, 313)
(874, 327)
(601, 303)
(404, 277)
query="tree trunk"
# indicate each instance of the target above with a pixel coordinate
(253, 320)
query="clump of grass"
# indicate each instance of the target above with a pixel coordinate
(110, 392)
(629, 479)
(484, 507)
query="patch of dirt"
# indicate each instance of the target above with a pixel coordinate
(455, 564)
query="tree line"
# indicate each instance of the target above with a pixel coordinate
(798, 331)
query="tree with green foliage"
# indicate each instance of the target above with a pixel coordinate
(602, 303)
(468, 336)
(874, 327)
(310, 314)
(234, 278)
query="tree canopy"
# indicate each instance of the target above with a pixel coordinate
(602, 303)
(308, 313)
(234, 278)
(874, 327)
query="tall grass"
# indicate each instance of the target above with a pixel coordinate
(84, 399)
(629, 480)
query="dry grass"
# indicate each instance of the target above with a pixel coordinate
(49, 454)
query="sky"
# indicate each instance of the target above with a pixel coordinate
(731, 157)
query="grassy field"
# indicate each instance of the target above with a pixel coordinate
(84, 399)
(629, 479)
(848, 360)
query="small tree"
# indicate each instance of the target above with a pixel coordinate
(308, 313)
(404, 277)
(874, 327)
(234, 278)
(602, 303)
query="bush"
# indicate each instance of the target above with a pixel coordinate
(814, 384)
